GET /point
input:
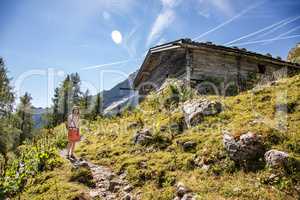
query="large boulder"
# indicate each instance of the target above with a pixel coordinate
(248, 147)
(183, 192)
(276, 158)
(143, 137)
(195, 110)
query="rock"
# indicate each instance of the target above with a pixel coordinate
(205, 167)
(142, 164)
(183, 193)
(110, 176)
(195, 110)
(84, 164)
(181, 190)
(272, 176)
(127, 197)
(188, 197)
(297, 188)
(247, 148)
(114, 186)
(190, 145)
(276, 158)
(143, 137)
(128, 188)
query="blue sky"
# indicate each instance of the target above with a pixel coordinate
(105, 40)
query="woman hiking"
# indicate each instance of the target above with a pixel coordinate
(73, 131)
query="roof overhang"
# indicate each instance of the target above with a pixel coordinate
(157, 49)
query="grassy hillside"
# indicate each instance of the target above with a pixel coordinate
(154, 168)
(294, 54)
(36, 171)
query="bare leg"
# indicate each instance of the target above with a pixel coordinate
(73, 147)
(69, 148)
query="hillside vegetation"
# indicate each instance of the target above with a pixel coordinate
(294, 54)
(156, 165)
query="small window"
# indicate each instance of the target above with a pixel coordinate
(261, 69)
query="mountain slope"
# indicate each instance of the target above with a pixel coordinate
(118, 92)
(156, 150)
(155, 166)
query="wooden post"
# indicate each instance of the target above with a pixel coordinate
(188, 65)
(238, 76)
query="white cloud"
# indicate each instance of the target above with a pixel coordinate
(163, 21)
(131, 41)
(208, 7)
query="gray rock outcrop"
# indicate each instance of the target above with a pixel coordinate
(247, 148)
(183, 192)
(143, 137)
(195, 110)
(276, 158)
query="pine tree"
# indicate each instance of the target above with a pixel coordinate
(9, 135)
(97, 111)
(6, 95)
(66, 97)
(56, 118)
(86, 100)
(25, 114)
(76, 93)
(85, 103)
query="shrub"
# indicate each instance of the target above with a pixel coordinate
(170, 97)
(83, 175)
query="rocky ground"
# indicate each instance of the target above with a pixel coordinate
(108, 185)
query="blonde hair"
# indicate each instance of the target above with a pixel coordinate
(75, 108)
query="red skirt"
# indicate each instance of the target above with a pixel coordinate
(73, 135)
